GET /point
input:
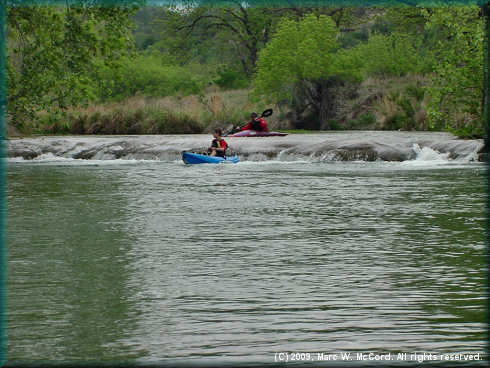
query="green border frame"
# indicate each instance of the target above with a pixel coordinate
(3, 194)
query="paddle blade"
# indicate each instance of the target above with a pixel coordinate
(267, 112)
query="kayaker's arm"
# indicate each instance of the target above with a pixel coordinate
(248, 126)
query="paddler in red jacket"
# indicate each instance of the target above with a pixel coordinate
(218, 145)
(256, 123)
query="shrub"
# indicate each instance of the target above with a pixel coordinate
(392, 55)
(147, 76)
(230, 79)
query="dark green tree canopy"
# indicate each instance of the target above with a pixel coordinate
(54, 52)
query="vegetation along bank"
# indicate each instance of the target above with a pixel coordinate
(146, 69)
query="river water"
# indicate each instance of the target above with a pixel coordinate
(142, 261)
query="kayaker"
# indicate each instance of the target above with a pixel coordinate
(218, 145)
(256, 123)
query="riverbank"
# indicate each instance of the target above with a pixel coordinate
(376, 104)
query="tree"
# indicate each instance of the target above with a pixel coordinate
(303, 66)
(147, 76)
(456, 90)
(397, 54)
(54, 53)
(232, 33)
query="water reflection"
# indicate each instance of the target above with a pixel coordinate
(68, 269)
(304, 258)
(163, 261)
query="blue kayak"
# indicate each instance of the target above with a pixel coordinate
(195, 158)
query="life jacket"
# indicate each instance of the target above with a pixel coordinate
(255, 125)
(217, 144)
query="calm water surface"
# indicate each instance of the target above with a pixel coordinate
(148, 261)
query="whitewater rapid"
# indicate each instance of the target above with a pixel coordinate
(323, 147)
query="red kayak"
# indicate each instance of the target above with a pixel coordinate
(253, 133)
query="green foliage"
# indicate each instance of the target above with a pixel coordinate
(416, 92)
(231, 33)
(304, 67)
(230, 79)
(407, 106)
(302, 50)
(66, 56)
(456, 89)
(351, 39)
(365, 120)
(144, 32)
(147, 75)
(152, 120)
(404, 19)
(401, 104)
(53, 51)
(392, 55)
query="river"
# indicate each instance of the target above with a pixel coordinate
(363, 243)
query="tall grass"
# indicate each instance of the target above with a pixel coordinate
(397, 103)
(167, 115)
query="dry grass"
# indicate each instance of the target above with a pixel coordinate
(391, 103)
(168, 115)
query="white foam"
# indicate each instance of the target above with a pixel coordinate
(49, 158)
(429, 154)
(313, 148)
(428, 157)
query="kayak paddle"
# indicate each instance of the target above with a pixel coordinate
(265, 113)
